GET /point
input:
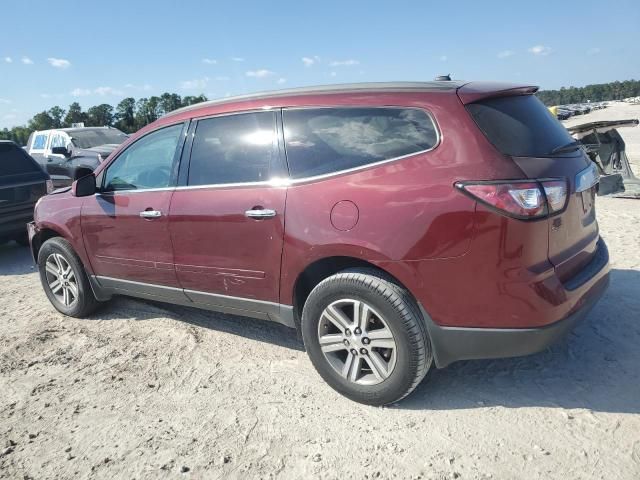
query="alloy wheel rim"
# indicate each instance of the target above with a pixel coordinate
(357, 342)
(61, 279)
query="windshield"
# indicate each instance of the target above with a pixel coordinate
(520, 126)
(94, 138)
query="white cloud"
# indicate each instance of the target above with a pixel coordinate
(281, 80)
(5, 101)
(26, 61)
(102, 91)
(80, 92)
(222, 78)
(344, 63)
(195, 84)
(593, 51)
(45, 95)
(8, 59)
(237, 59)
(58, 62)
(9, 116)
(540, 50)
(443, 58)
(308, 61)
(262, 73)
(333, 74)
(209, 61)
(506, 54)
(145, 88)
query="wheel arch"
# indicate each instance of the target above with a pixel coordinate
(323, 268)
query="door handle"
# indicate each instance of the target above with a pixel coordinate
(260, 213)
(151, 214)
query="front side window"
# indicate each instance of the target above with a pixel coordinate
(148, 163)
(58, 141)
(326, 140)
(39, 142)
(240, 148)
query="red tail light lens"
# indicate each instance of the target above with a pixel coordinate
(523, 200)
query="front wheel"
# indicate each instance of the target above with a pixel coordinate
(64, 279)
(366, 337)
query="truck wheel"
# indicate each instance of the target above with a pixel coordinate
(366, 337)
(64, 279)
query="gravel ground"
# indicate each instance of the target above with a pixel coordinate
(148, 390)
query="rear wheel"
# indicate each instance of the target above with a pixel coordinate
(64, 279)
(366, 337)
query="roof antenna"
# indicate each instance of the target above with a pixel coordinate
(443, 78)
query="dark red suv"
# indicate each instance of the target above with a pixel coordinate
(395, 225)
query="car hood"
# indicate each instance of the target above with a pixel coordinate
(103, 150)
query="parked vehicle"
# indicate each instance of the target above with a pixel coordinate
(63, 151)
(395, 225)
(22, 183)
(606, 148)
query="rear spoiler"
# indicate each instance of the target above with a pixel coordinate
(475, 91)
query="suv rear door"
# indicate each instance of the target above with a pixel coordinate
(227, 217)
(521, 127)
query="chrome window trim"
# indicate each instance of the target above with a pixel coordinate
(314, 178)
(286, 182)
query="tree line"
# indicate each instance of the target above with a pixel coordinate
(596, 93)
(129, 115)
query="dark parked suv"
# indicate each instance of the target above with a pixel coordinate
(22, 183)
(395, 225)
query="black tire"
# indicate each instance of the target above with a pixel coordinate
(85, 302)
(402, 316)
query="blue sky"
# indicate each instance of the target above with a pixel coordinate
(54, 53)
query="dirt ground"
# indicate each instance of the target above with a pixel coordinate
(148, 390)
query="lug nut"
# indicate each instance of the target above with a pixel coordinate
(347, 332)
(366, 340)
(346, 343)
(358, 331)
(363, 351)
(354, 351)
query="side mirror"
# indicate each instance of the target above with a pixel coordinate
(84, 186)
(61, 151)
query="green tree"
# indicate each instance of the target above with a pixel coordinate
(125, 116)
(192, 100)
(100, 116)
(170, 102)
(74, 115)
(57, 114)
(147, 110)
(41, 121)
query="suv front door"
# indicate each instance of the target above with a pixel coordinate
(125, 225)
(227, 221)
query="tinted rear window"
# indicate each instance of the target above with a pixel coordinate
(13, 160)
(326, 140)
(520, 126)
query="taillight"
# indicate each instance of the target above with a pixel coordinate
(519, 199)
(49, 186)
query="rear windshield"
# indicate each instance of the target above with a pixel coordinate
(95, 138)
(520, 126)
(13, 160)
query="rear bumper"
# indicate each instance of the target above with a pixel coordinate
(451, 344)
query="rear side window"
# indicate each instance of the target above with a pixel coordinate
(327, 140)
(239, 148)
(13, 160)
(520, 126)
(39, 142)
